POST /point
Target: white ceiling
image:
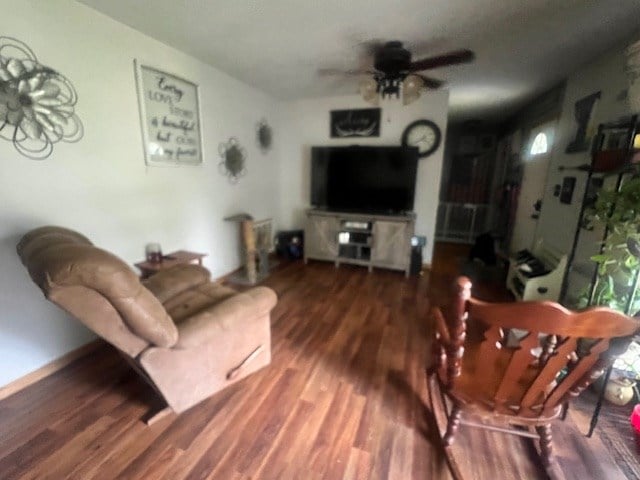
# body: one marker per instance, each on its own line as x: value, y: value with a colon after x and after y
x: 522, y: 46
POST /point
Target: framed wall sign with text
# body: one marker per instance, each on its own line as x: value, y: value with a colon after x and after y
x: 170, y: 117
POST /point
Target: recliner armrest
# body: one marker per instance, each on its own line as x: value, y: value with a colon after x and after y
x: 170, y: 282
x: 225, y: 316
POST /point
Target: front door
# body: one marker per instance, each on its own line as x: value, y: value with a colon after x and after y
x: 534, y: 177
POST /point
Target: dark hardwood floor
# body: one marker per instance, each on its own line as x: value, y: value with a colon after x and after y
x: 344, y: 398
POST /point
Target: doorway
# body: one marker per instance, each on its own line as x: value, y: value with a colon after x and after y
x: 535, y: 162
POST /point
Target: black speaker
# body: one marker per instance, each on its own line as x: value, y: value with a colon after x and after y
x: 290, y: 244
x: 417, y: 243
x: 416, y: 260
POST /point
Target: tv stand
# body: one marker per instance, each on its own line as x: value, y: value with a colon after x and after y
x: 369, y: 240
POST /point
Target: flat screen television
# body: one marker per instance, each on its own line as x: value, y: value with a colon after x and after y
x: 375, y: 179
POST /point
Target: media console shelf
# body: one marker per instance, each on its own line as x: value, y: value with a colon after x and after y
x: 382, y: 241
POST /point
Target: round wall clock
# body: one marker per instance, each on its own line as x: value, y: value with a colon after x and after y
x: 423, y: 134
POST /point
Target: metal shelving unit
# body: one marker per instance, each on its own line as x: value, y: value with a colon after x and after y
x: 611, y: 165
x: 611, y: 154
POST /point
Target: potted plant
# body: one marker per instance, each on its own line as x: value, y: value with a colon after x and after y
x: 618, y: 277
x: 618, y: 210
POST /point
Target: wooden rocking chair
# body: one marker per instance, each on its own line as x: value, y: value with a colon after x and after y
x: 506, y: 365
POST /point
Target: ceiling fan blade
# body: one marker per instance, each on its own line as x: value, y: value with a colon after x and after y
x: 429, y: 82
x: 452, y: 58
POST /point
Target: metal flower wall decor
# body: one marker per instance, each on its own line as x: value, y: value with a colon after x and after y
x: 36, y: 102
x: 264, y: 135
x: 232, y: 163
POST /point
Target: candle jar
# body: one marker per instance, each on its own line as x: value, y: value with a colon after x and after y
x: 153, y: 252
x: 619, y: 391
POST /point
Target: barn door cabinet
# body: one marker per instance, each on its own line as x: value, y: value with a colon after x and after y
x: 382, y: 241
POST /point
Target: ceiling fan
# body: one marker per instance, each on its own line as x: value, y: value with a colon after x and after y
x: 394, y: 70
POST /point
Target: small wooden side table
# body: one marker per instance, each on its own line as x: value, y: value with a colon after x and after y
x: 175, y: 258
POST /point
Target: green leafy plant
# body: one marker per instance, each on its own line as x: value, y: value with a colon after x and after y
x: 618, y: 261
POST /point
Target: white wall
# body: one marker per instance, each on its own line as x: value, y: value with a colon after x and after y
x: 101, y: 186
x: 558, y: 221
x: 306, y: 124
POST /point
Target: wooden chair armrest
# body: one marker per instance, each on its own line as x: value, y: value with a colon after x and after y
x: 441, y: 326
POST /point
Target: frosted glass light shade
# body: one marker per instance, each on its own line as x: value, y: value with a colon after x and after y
x: 411, y: 87
x: 369, y: 91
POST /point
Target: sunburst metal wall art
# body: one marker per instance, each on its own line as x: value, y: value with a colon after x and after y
x: 232, y: 160
x: 264, y: 136
x: 36, y: 102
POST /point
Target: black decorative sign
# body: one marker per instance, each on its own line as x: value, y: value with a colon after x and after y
x: 566, y: 192
x: 364, y: 122
x: 583, y: 112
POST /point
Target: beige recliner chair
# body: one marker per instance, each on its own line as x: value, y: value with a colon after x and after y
x: 188, y: 337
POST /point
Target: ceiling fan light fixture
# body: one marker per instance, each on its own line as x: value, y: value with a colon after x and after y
x: 389, y: 85
x: 394, y: 72
x: 369, y: 91
x: 411, y: 87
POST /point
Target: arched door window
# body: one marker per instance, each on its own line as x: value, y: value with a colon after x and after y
x: 540, y: 144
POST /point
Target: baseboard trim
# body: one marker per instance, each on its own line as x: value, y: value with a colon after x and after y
x: 48, y: 369
x: 224, y: 278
